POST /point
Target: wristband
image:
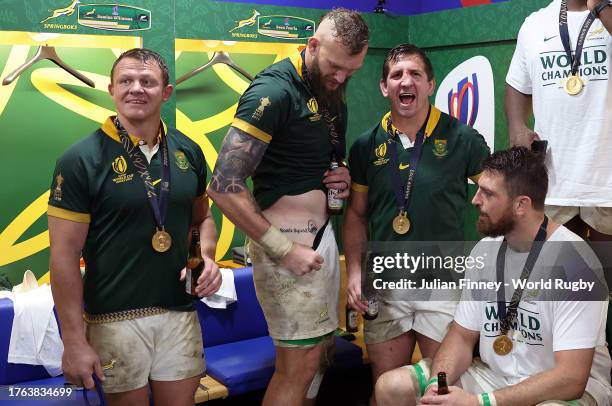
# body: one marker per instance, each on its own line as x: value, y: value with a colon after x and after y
x: 276, y: 245
x: 487, y: 399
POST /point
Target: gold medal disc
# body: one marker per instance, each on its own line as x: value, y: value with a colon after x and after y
x: 401, y: 224
x: 161, y: 241
x: 502, y: 345
x: 573, y: 85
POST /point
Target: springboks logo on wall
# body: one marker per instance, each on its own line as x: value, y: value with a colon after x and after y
x: 467, y: 93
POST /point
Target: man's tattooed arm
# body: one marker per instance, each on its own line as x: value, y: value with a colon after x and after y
x: 240, y: 154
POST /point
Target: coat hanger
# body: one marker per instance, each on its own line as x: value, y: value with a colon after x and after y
x: 47, y: 52
x: 218, y: 57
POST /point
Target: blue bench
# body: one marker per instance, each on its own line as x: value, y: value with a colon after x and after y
x: 239, y: 352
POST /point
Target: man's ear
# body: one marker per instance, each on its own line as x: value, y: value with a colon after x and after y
x: 522, y: 205
x: 167, y: 92
x: 383, y: 88
x: 313, y: 45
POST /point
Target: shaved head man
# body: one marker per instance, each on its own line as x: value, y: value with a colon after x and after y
x: 288, y: 129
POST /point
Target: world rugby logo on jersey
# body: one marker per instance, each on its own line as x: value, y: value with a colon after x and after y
x: 467, y: 93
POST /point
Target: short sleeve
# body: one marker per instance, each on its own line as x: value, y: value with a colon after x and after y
x: 578, y: 324
x: 358, y: 161
x: 200, y: 168
x: 262, y: 109
x: 69, y: 198
x: 478, y: 151
x: 518, y: 74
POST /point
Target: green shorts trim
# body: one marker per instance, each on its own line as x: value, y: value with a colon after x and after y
x: 305, y: 342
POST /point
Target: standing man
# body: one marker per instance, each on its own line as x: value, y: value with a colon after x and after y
x: 412, y: 167
x: 532, y: 349
x: 126, y: 197
x: 561, y: 71
x: 289, y: 126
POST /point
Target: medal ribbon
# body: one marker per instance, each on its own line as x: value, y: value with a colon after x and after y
x: 565, y: 39
x: 159, y: 205
x: 506, y: 316
x: 402, y: 193
x: 337, y: 138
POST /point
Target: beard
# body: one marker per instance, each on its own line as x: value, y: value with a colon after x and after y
x: 502, y: 227
x: 325, y: 97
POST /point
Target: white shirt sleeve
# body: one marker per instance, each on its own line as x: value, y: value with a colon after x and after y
x: 519, y: 72
x: 575, y: 323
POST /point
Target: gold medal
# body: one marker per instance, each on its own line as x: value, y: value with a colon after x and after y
x: 573, y: 85
x: 401, y: 224
x: 161, y: 241
x: 502, y: 345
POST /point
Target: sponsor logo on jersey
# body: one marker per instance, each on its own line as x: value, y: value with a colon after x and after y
x: 57, y: 191
x: 181, y: 161
x: 381, y: 152
x: 120, y: 167
x: 259, y: 111
x: 439, y: 148
x: 313, y: 107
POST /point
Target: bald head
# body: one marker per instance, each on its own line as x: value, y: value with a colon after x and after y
x: 344, y: 26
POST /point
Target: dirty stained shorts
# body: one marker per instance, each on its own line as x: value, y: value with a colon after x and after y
x: 162, y: 347
x: 298, y: 307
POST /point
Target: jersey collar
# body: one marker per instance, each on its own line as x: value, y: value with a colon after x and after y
x: 108, y: 127
x: 434, y: 118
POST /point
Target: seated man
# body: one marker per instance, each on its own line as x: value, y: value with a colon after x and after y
x: 533, y: 350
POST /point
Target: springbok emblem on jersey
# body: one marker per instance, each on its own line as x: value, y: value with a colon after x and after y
x: 247, y: 22
x: 65, y: 11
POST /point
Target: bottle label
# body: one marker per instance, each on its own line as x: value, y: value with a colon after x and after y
x: 372, y: 307
x: 332, y: 201
x: 188, y: 281
x: 352, y: 319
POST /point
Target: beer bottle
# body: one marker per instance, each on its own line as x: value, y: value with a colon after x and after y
x: 195, y: 264
x: 352, y: 320
x: 334, y: 205
x: 372, y: 311
x: 442, y: 384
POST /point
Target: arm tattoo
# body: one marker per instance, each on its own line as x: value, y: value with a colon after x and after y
x: 239, y: 156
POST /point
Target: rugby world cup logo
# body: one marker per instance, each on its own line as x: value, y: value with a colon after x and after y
x: 467, y: 93
x: 463, y: 101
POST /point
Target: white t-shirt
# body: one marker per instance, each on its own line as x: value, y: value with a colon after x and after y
x: 578, y: 128
x: 542, y: 327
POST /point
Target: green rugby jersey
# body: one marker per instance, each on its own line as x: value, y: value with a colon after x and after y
x: 452, y: 152
x: 95, y: 182
x: 278, y: 109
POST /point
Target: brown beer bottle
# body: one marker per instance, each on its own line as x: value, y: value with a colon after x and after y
x: 442, y: 384
x: 195, y: 264
x: 352, y: 320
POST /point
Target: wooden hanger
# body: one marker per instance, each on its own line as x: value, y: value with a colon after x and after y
x: 218, y: 57
x: 46, y: 52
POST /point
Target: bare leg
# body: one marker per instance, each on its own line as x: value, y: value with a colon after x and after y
x: 175, y: 393
x: 136, y: 397
x: 294, y: 370
x: 389, y: 355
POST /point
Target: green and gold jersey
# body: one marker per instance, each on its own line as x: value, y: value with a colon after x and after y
x: 452, y: 152
x: 278, y: 109
x: 95, y: 182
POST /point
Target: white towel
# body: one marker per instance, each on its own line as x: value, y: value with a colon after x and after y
x: 35, y: 338
x: 226, y: 294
